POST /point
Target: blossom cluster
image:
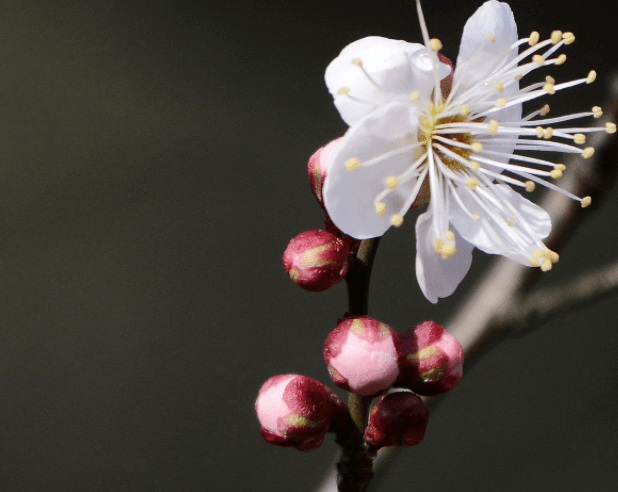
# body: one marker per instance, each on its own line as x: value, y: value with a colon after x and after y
x: 368, y: 358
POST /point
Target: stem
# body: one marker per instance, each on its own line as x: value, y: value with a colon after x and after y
x: 354, y: 466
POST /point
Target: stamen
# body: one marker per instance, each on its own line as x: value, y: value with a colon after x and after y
x: 435, y: 44
x: 579, y: 138
x: 343, y: 91
x: 610, y: 127
x: 592, y: 76
x: 560, y: 60
x: 534, y: 38
x: 586, y: 201
x: 392, y: 182
x: 396, y: 220
x: 414, y: 96
x: 568, y: 37
x: 597, y: 112
x: 352, y: 163
x: 588, y: 152
x: 556, y: 37
x: 530, y: 186
x: 380, y: 208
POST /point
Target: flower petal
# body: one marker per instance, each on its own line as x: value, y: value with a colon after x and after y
x: 478, y: 55
x: 436, y: 276
x: 349, y: 195
x: 391, y: 70
x: 493, y: 237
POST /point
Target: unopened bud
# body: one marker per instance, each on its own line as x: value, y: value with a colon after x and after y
x: 398, y: 419
x: 316, y: 167
x: 294, y: 411
x: 362, y: 356
x: 316, y: 260
x: 430, y: 359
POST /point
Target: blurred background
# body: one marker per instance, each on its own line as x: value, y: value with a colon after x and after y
x: 153, y: 169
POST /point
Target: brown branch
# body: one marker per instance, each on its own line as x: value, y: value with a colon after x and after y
x: 486, y: 317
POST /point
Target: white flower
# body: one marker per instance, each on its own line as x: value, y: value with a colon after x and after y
x: 406, y: 132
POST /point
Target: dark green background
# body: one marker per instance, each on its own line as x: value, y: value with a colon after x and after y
x: 152, y: 171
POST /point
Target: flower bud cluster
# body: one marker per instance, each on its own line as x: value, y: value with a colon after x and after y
x: 368, y: 358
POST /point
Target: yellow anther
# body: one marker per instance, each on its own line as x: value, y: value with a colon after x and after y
x: 597, y: 112
x: 561, y: 59
x: 476, y: 217
x: 550, y: 80
x: 538, y: 59
x: 476, y: 146
x: 396, y: 220
x: 472, y: 183
x: 510, y: 222
x: 546, y: 265
x: 548, y: 133
x: 500, y: 103
x: 352, y: 163
x: 560, y: 167
x: 475, y: 166
x: 537, y: 254
x: 343, y: 90
x: 534, y: 262
x: 465, y: 110
x: 555, y: 173
x: 493, y: 127
x: 549, y: 88
x: 588, y: 152
x: 357, y: 62
x: 534, y: 38
x: 579, y: 138
x: 491, y: 37
x: 392, y: 182
x: 414, y: 96
x: 539, y: 131
x: 530, y: 186
x: 592, y: 76
x: 435, y: 44
x: 568, y: 37
x: 552, y: 255
x: 545, y: 110
x: 450, y: 235
x: 556, y: 37
x: 610, y: 127
x: 447, y: 251
x: 499, y: 87
x: 438, y: 244
x: 586, y: 201
x: 380, y: 208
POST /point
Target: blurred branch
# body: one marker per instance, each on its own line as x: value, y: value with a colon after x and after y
x: 503, y: 303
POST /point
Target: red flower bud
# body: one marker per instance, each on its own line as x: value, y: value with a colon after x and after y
x: 361, y: 356
x: 398, y: 419
x: 294, y: 411
x: 430, y: 359
x: 316, y: 260
x: 317, y: 167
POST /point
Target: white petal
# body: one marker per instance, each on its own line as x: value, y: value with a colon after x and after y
x: 478, y: 55
x: 394, y: 69
x: 491, y: 236
x: 349, y: 195
x: 436, y: 276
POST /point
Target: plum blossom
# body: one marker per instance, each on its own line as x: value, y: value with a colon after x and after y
x: 415, y: 124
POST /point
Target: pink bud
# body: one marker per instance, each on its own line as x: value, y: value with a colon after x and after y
x: 430, y: 359
x: 361, y: 356
x: 316, y: 260
x: 398, y: 419
x: 317, y: 167
x: 294, y: 411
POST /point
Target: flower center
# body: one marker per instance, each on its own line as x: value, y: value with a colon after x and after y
x: 427, y: 127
